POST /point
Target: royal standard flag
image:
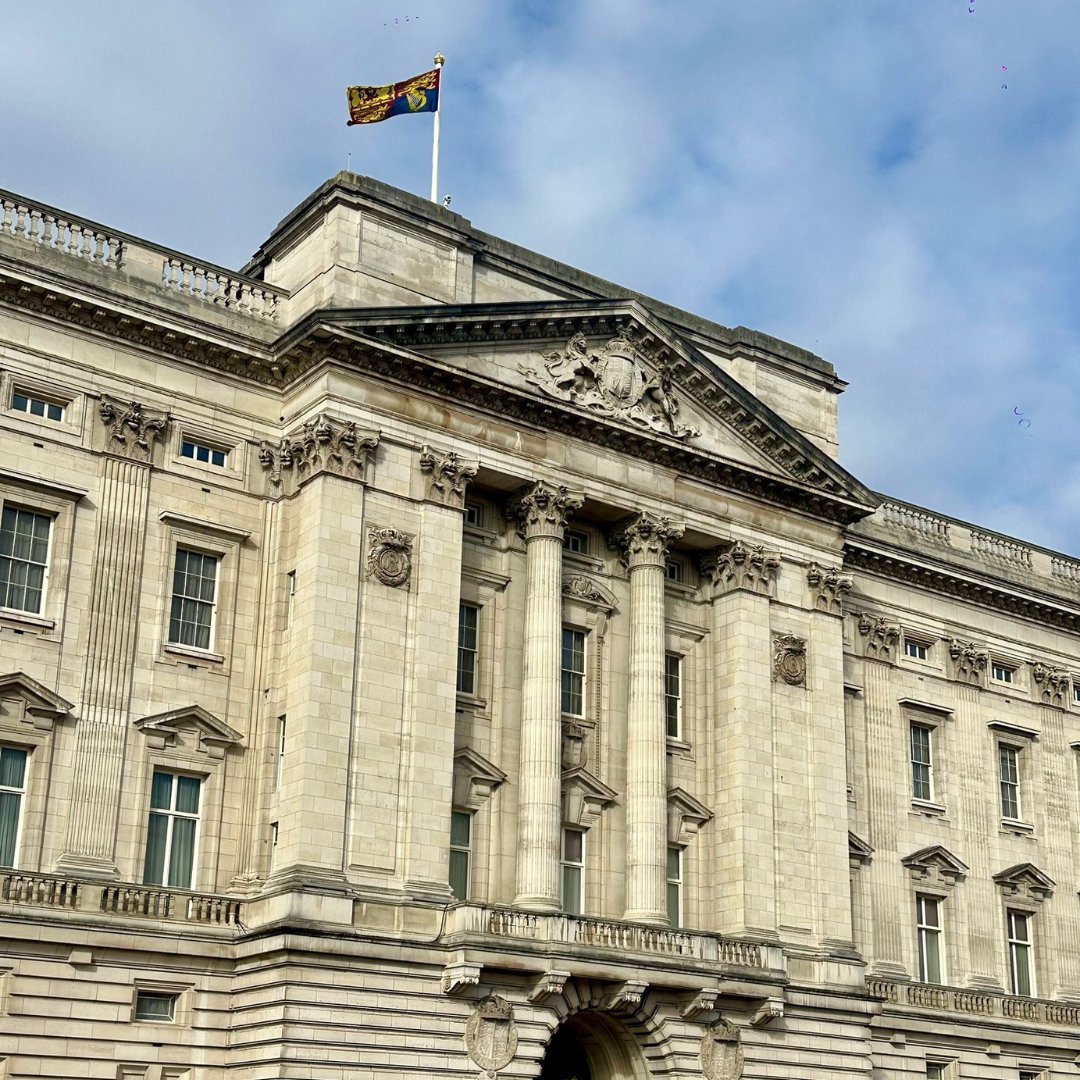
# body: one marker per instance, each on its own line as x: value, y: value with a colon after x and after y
x: 370, y: 104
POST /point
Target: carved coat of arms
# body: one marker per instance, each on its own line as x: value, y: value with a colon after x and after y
x: 491, y: 1035
x: 613, y: 380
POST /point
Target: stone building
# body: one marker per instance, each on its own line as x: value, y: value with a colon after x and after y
x: 419, y: 658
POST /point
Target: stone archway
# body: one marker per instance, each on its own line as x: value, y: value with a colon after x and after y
x: 591, y: 1046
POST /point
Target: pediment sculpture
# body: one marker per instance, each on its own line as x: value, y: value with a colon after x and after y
x: 613, y: 380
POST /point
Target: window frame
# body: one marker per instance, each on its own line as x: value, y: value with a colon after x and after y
x: 577, y: 542
x: 1013, y: 947
x: 568, y: 865
x: 566, y: 688
x: 32, y: 397
x: 212, y: 604
x: 1016, y: 751
x: 920, y: 646
x: 673, y: 713
x: 17, y: 507
x: 676, y: 882
x: 929, y: 765
x: 146, y: 993
x: 22, y: 793
x: 1008, y: 673
x: 465, y: 650
x: 197, y: 443
x: 172, y: 814
x: 464, y: 849
x: 926, y: 930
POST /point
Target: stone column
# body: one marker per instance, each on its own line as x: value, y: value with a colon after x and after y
x: 644, y: 543
x: 112, y: 635
x: 542, y: 512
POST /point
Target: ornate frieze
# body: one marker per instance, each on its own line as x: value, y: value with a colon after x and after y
x: 827, y: 588
x: 389, y: 556
x: 491, y: 1037
x: 722, y: 1052
x: 1054, y: 684
x: 742, y: 566
x: 614, y: 380
x: 132, y: 429
x: 644, y: 541
x: 789, y: 659
x: 968, y: 661
x: 448, y: 476
x: 324, y: 444
x: 544, y: 509
x: 879, y: 636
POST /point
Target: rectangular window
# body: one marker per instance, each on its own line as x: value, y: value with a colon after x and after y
x: 922, y: 778
x: 12, y: 789
x: 1076, y: 689
x: 674, y: 886
x: 279, y: 762
x: 1029, y: 1074
x: 1021, y: 945
x: 928, y: 928
x: 290, y: 596
x: 155, y: 1006
x: 915, y: 648
x: 935, y: 1071
x: 1009, y: 780
x: 573, y: 871
x: 1002, y: 673
x: 468, y: 622
x: 674, y: 570
x: 198, y: 451
x: 26, y: 402
x: 573, y: 672
x: 576, y: 541
x: 474, y: 514
x: 172, y: 831
x: 673, y: 695
x: 24, y: 559
x: 460, y: 853
x: 191, y: 620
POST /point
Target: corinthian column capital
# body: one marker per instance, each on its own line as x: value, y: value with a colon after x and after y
x: 544, y: 509
x: 742, y: 566
x: 644, y: 541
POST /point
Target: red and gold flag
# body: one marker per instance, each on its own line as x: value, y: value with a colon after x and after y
x: 370, y: 104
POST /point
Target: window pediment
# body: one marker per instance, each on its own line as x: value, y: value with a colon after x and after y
x: 166, y: 729
x: 860, y: 853
x: 1026, y: 881
x: 935, y: 865
x: 584, y: 797
x: 475, y: 778
x: 685, y: 816
x: 40, y: 707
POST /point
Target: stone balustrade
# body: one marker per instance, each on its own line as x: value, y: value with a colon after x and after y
x: 124, y: 901
x: 1066, y: 570
x: 986, y: 545
x: 106, y: 249
x: 611, y: 936
x: 978, y: 1003
x: 919, y: 521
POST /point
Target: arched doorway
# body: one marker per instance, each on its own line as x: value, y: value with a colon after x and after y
x: 590, y: 1046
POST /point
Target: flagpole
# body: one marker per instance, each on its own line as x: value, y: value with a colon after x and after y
x: 439, y: 61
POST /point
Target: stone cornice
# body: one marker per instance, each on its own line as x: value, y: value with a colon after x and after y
x: 962, y: 584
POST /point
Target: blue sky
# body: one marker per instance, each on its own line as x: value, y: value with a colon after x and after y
x: 849, y: 175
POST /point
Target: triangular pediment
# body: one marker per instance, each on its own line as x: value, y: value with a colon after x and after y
x: 859, y: 851
x: 475, y: 778
x: 937, y: 862
x: 37, y: 704
x: 1026, y: 880
x: 584, y: 797
x: 610, y: 372
x: 686, y: 815
x: 214, y: 735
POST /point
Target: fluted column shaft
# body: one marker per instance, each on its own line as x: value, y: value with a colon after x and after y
x: 645, y: 544
x: 542, y: 513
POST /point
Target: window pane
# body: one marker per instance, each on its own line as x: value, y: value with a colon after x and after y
x: 12, y: 767
x: 1022, y: 970
x: 182, y: 855
x: 151, y: 1006
x: 674, y: 864
x: 161, y: 790
x: 931, y: 956
x: 187, y: 794
x: 156, y: 838
x: 459, y: 874
x: 20, y: 402
x: 572, y: 845
x: 460, y: 828
x: 10, y: 805
x: 572, y: 890
x: 674, y: 903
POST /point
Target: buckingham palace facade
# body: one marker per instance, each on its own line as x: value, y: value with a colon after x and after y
x: 421, y: 659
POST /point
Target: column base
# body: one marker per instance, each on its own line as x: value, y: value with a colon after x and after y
x: 301, y: 875
x: 650, y: 918
x: 541, y: 905
x: 75, y: 864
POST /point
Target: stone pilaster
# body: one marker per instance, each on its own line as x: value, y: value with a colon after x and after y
x: 542, y: 513
x: 743, y: 578
x: 644, y: 543
x: 113, y: 629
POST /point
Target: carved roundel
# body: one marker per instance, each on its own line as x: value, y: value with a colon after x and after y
x: 721, y: 1052
x: 491, y: 1037
x: 789, y: 659
x: 390, y: 556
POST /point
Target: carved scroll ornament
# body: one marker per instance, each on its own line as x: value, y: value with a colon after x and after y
x: 448, y: 476
x: 789, y: 659
x: 613, y: 381
x: 133, y: 429
x: 389, y: 556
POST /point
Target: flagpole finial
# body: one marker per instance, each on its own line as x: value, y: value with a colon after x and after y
x: 439, y: 59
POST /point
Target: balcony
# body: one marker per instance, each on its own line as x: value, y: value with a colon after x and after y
x: 144, y: 902
x: 472, y: 924
x: 974, y: 1003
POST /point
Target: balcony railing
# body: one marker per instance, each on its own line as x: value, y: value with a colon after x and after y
x: 45, y: 227
x: 137, y: 901
x: 978, y: 1003
x: 918, y: 521
x: 610, y: 936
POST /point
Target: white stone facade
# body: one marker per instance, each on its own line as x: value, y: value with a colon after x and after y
x: 736, y: 769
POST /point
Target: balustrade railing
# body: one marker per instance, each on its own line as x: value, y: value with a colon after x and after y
x: 944, y: 998
x: 997, y: 547
x: 124, y: 901
x: 92, y: 244
x: 1065, y: 569
x: 918, y: 521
